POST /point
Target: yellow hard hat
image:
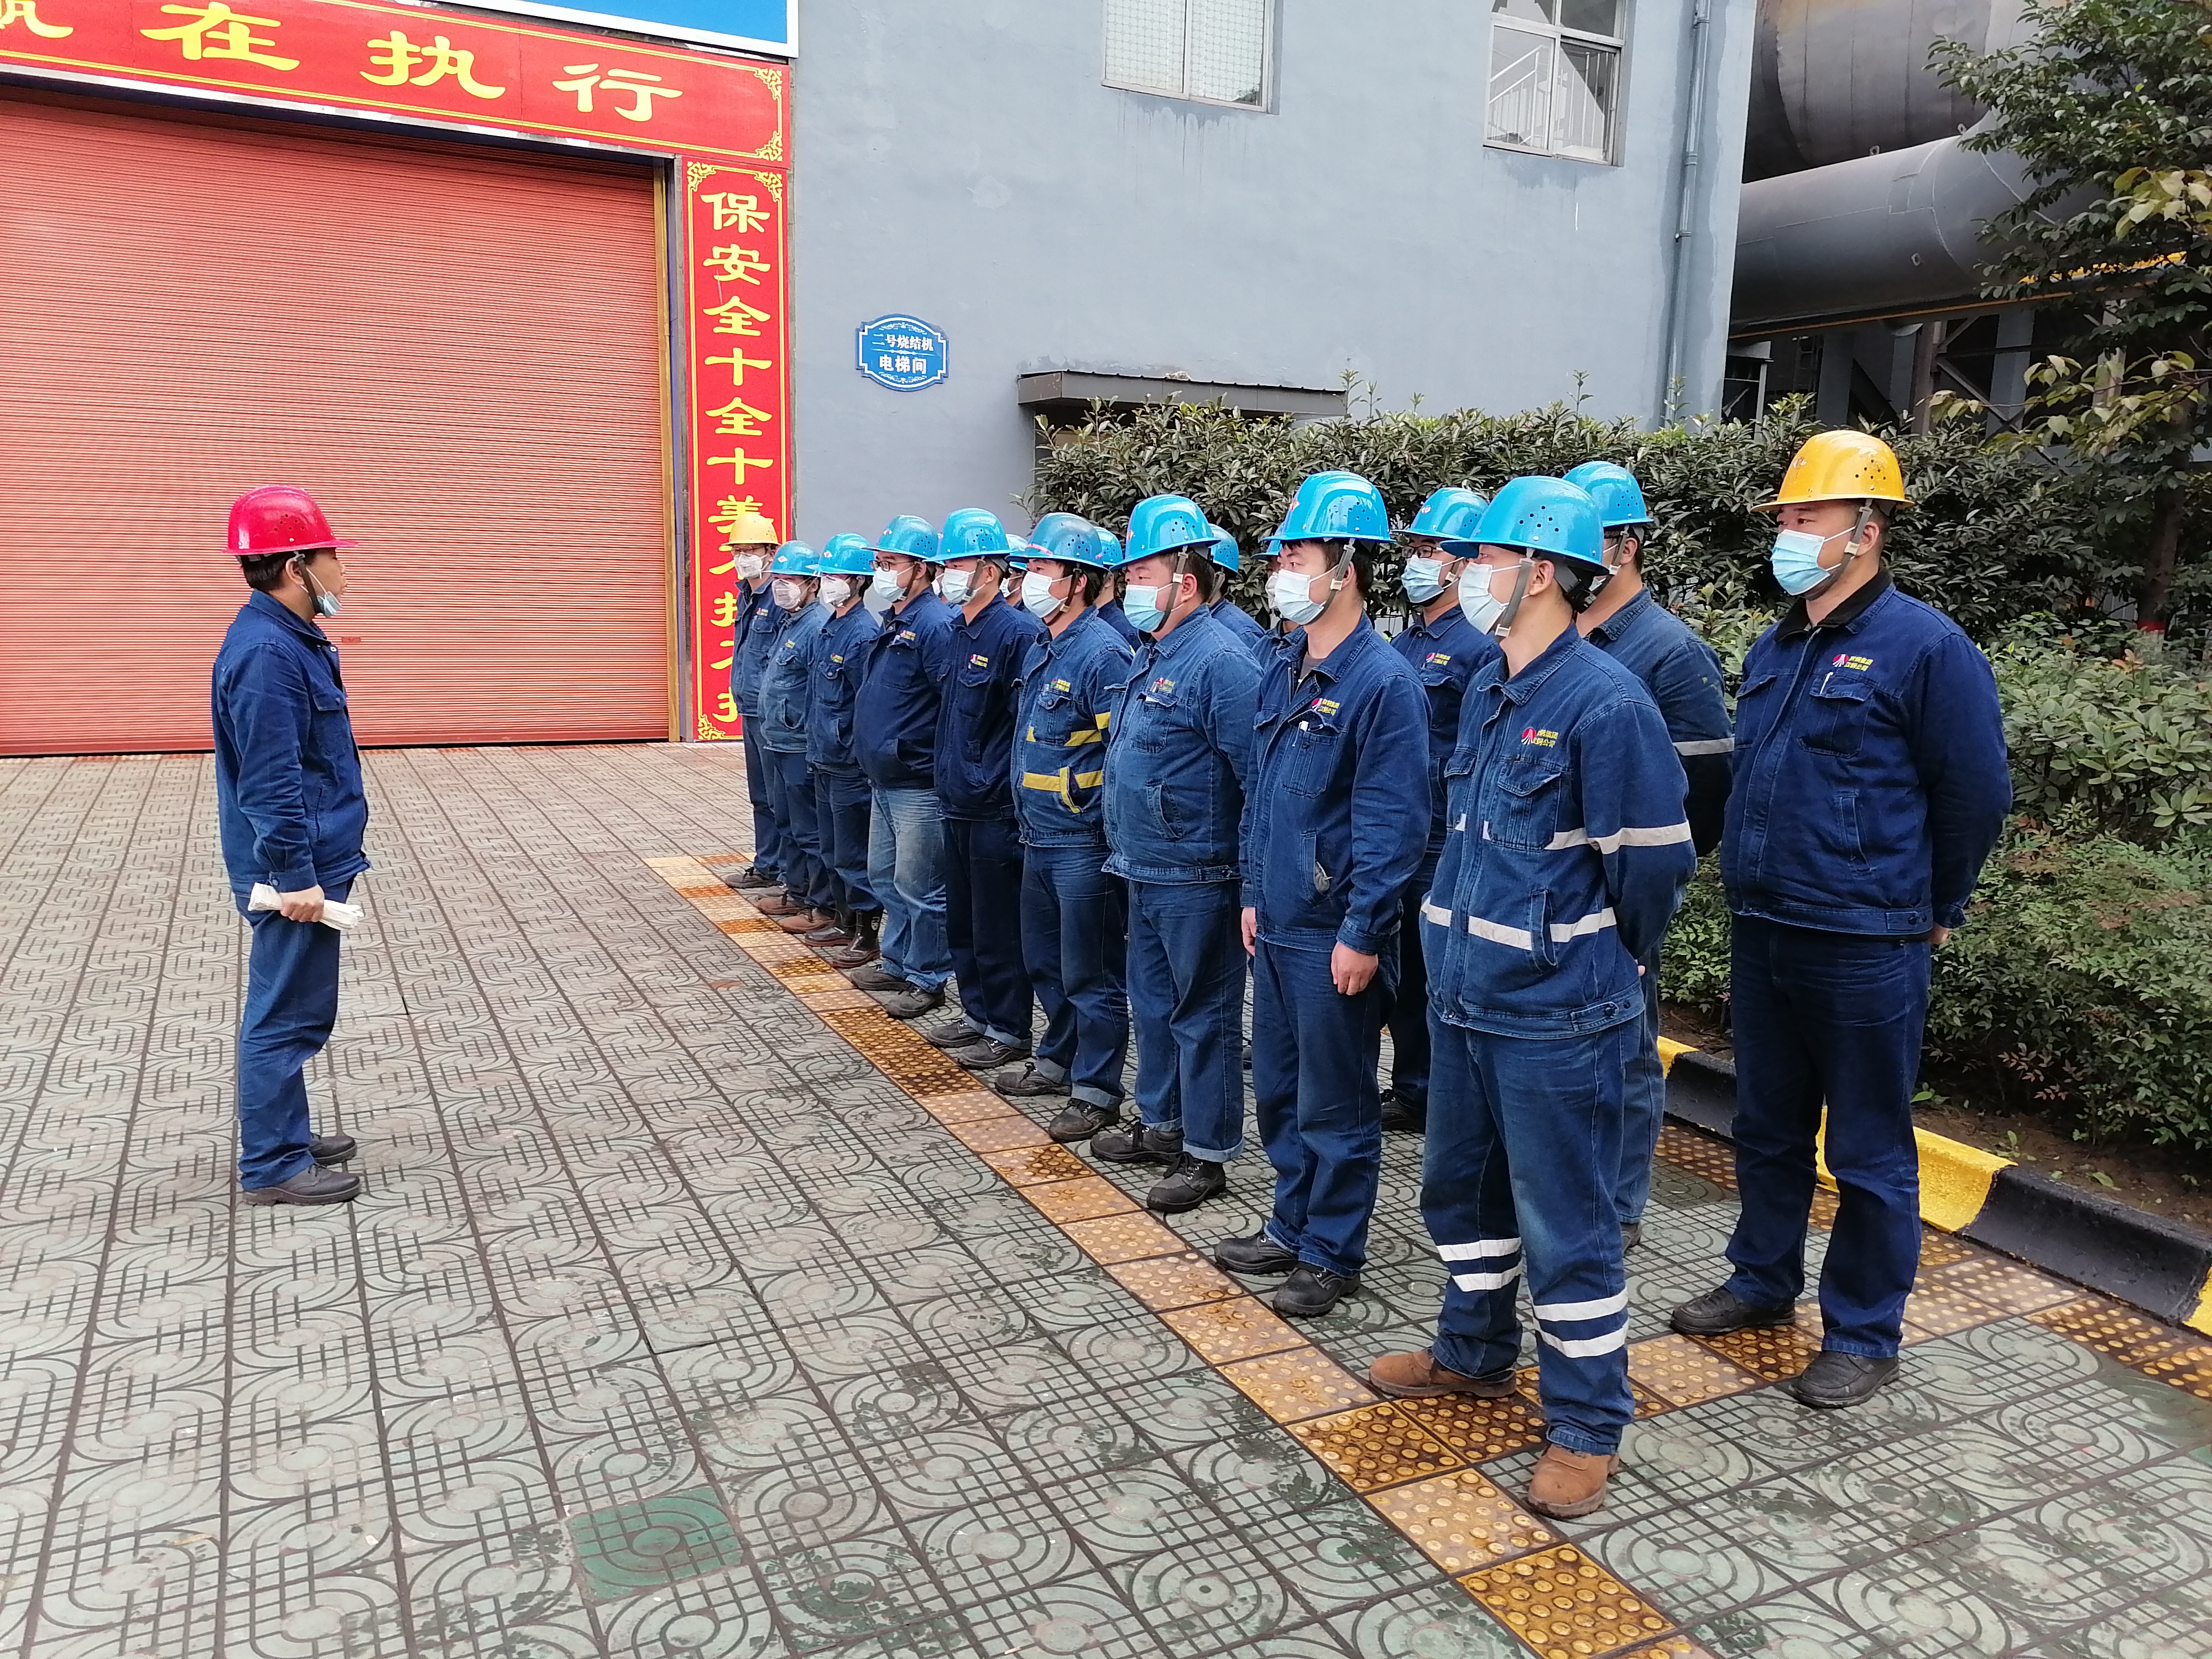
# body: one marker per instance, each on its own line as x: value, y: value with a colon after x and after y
x: 752, y: 528
x: 1847, y: 465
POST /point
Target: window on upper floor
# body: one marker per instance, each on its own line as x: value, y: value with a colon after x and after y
x: 1555, y: 77
x: 1214, y: 50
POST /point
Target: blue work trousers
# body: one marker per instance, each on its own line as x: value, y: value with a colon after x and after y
x: 1832, y: 1018
x: 1314, y: 1053
x: 1186, y: 978
x: 983, y: 926
x: 1075, y: 938
x: 1518, y: 1169
x: 841, y: 815
x: 1643, y: 1107
x: 905, y: 870
x: 767, y: 835
x: 790, y: 793
x: 291, y: 1003
x: 1409, y: 1015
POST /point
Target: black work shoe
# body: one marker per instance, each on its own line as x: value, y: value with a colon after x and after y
x: 315, y: 1185
x: 1030, y: 1081
x: 1401, y: 1117
x: 954, y: 1033
x: 1256, y: 1257
x: 1080, y: 1120
x: 1312, y: 1291
x: 1631, y: 1234
x: 1189, y: 1184
x: 987, y: 1055
x: 868, y: 942
x: 1138, y: 1143
x: 750, y: 880
x: 329, y: 1149
x: 911, y: 1002
x: 874, y: 976
x: 830, y: 936
x: 1718, y: 1312
x: 1836, y: 1380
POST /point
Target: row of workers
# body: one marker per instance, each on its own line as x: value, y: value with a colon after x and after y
x: 1476, y: 834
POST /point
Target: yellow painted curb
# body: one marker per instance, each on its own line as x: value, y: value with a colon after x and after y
x: 1668, y: 1049
x: 2202, y: 1319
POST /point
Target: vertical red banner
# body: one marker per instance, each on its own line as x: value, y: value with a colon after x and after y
x: 737, y: 449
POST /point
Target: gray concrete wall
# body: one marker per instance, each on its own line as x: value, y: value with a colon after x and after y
x: 964, y: 163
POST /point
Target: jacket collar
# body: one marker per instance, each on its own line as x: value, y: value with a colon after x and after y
x: 1845, y: 615
x: 1429, y: 630
x: 919, y: 609
x: 270, y: 606
x: 1179, y: 638
x: 1625, y: 618
x: 1519, y: 688
x: 1340, y: 661
x: 1077, y: 631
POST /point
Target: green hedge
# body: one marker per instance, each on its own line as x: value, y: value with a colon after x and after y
x: 1997, y: 535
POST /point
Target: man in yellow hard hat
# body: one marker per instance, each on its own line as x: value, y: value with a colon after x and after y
x: 752, y: 542
x: 1870, y: 784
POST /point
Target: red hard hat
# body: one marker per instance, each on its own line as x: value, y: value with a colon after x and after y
x: 278, y: 518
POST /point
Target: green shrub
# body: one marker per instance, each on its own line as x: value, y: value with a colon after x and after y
x: 2081, y: 985
x: 1994, y: 535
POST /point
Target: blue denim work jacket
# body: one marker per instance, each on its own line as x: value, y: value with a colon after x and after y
x: 288, y: 793
x: 787, y: 687
x: 1566, y: 851
x: 976, y: 731
x: 839, y: 659
x: 1180, y: 755
x: 1070, y: 687
x: 760, y: 623
x: 1246, y: 632
x: 1114, y: 618
x: 1444, y: 656
x: 901, y: 694
x: 1683, y: 675
x: 1336, y: 819
x: 1871, y: 780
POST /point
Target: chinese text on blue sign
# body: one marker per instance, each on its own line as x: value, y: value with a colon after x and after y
x: 903, y: 353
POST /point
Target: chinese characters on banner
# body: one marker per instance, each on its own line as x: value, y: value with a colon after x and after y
x: 739, y: 448
x: 418, y: 61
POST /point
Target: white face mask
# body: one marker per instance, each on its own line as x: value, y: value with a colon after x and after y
x: 1038, y: 597
x: 1796, y: 560
x: 1145, y: 607
x: 749, y: 566
x: 790, y: 592
x: 885, y: 586
x: 954, y: 586
x: 1422, y: 579
x: 836, y: 590
x: 1486, y: 613
x: 1291, y: 596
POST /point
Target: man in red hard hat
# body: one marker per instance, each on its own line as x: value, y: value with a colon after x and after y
x: 288, y: 798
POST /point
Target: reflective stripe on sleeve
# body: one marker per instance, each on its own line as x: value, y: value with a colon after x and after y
x: 1596, y: 921
x: 1706, y: 746
x: 1498, y: 933
x: 1435, y: 912
x: 1664, y: 836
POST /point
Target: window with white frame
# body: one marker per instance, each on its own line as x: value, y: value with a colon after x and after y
x: 1215, y: 51
x: 1555, y: 77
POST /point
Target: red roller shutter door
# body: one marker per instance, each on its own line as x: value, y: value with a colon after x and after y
x: 459, y: 350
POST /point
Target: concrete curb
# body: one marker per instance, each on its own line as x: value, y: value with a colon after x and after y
x: 2160, y: 1267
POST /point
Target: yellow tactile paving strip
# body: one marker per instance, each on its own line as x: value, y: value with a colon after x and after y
x: 1412, y: 1460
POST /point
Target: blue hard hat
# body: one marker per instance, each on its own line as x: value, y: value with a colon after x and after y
x: 973, y: 532
x: 1161, y: 523
x: 795, y: 559
x: 1225, y: 551
x: 1019, y: 551
x: 1449, y: 514
x: 1335, y: 507
x: 1110, y: 548
x: 1619, y: 498
x: 915, y: 538
x: 1545, y: 515
x: 1073, y: 539
x: 847, y: 554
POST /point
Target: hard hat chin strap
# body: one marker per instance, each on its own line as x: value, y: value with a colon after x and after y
x: 1520, y: 593
x: 1852, y: 548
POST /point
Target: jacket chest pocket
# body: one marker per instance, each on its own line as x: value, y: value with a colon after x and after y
x: 1053, y: 719
x: 1522, y: 806
x: 1311, y: 747
x: 1158, y: 718
x: 1834, y: 717
x: 1458, y: 767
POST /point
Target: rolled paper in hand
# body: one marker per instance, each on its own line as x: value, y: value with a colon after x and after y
x: 344, y: 917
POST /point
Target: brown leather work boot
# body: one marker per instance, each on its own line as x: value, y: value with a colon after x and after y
x: 801, y: 921
x: 778, y: 904
x: 1567, y: 1484
x: 1418, y: 1377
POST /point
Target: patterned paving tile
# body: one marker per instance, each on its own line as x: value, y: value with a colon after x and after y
x: 1562, y: 1604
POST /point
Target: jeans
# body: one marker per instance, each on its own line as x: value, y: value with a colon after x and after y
x: 1832, y: 1018
x: 1314, y: 1052
x: 906, y: 872
x: 841, y: 814
x: 767, y: 835
x: 1408, y: 1014
x: 291, y: 1003
x: 1643, y: 1108
x: 1075, y: 937
x: 1523, y: 1146
x: 1186, y: 979
x: 983, y: 926
x: 790, y: 793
